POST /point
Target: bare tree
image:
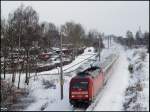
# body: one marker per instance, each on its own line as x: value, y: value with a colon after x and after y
x: 146, y: 40
x: 25, y: 26
x: 130, y: 38
x: 92, y: 39
x: 3, y: 44
x: 11, y: 43
x: 49, y: 34
x: 73, y: 34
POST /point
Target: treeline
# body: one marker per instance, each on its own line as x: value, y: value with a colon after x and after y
x: 139, y: 40
x: 22, y: 29
x: 22, y: 32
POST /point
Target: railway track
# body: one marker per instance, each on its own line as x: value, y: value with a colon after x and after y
x: 79, y: 109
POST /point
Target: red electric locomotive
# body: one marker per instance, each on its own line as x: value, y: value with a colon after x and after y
x: 85, y: 86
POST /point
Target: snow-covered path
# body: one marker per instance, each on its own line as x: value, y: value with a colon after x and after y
x: 113, y: 95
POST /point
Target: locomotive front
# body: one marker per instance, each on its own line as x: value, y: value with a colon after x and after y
x: 80, y: 90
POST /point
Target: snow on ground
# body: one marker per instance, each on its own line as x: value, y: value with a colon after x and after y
x: 49, y: 98
x: 112, y: 98
x: 138, y: 98
x: 146, y: 87
x: 64, y: 104
x: 44, y: 97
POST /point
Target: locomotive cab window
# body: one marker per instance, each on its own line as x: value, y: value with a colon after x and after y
x: 80, y: 85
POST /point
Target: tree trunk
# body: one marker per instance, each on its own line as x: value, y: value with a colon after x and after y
x: 26, y: 80
x: 26, y: 73
x: 12, y: 68
x: 73, y: 54
x: 4, y: 67
x: 28, y: 70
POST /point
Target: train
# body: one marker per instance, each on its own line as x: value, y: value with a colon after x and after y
x: 85, y: 85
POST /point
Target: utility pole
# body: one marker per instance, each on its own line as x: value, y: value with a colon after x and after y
x: 99, y: 48
x: 28, y: 65
x: 18, y: 60
x: 61, y: 70
x: 108, y: 42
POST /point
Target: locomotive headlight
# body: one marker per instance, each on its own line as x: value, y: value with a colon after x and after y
x: 86, y: 95
x: 72, y: 96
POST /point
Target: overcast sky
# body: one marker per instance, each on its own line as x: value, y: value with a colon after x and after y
x: 110, y: 17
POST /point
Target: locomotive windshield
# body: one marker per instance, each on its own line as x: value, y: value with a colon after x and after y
x: 80, y: 85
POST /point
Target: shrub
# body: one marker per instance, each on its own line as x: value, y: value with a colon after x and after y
x: 139, y: 87
x: 142, y: 56
x: 130, y: 68
x: 48, y: 84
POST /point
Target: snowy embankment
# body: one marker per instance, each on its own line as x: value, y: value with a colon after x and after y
x: 125, y: 91
x: 137, y: 93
